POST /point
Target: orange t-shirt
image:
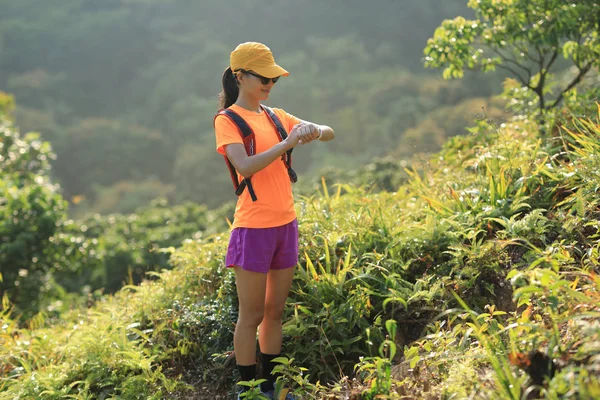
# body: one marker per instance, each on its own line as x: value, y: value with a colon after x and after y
x: 275, y: 203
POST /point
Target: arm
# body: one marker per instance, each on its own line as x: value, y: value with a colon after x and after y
x: 249, y: 165
x: 328, y: 133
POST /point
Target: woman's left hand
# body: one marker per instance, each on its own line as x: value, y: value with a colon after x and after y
x: 308, y: 132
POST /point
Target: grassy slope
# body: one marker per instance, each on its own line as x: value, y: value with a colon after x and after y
x: 499, y: 220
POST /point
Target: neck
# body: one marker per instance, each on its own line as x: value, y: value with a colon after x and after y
x: 251, y: 104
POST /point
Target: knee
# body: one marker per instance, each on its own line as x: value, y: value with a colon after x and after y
x: 251, y: 318
x: 273, y: 313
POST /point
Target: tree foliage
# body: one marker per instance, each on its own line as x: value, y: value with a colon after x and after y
x: 526, y: 39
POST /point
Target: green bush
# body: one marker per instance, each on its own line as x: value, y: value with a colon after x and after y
x: 31, y: 209
x: 44, y: 256
x: 127, y: 246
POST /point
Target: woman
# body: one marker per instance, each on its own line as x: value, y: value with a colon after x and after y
x: 263, y: 249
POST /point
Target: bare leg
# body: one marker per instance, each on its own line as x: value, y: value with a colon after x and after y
x: 277, y: 290
x: 251, y: 288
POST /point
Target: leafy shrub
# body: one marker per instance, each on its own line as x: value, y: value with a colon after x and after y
x: 31, y: 209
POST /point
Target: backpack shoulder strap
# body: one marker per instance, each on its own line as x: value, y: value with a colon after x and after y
x: 244, y: 129
x: 277, y: 122
x: 287, y: 156
x: 249, y: 139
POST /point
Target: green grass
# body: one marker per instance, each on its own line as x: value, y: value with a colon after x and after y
x: 444, y: 288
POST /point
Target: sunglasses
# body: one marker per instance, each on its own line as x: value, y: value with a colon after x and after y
x: 263, y: 80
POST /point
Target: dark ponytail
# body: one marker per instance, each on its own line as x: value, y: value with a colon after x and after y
x: 230, y: 91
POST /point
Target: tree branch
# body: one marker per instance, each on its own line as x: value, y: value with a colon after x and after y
x: 582, y: 72
x: 515, y: 73
x: 511, y: 70
x: 552, y: 59
x: 524, y: 50
x: 542, y: 59
x: 544, y: 70
x: 510, y: 60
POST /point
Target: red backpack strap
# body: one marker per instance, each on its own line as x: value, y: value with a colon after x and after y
x: 287, y: 156
x: 245, y: 130
x: 249, y: 139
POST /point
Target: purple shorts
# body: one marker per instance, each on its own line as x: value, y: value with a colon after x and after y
x: 263, y: 249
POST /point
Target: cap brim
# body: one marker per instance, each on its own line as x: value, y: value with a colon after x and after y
x: 272, y: 71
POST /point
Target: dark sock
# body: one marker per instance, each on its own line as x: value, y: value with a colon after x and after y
x: 267, y: 368
x: 247, y: 373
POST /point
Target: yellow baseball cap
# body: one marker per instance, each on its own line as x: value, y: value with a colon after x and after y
x: 256, y: 57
